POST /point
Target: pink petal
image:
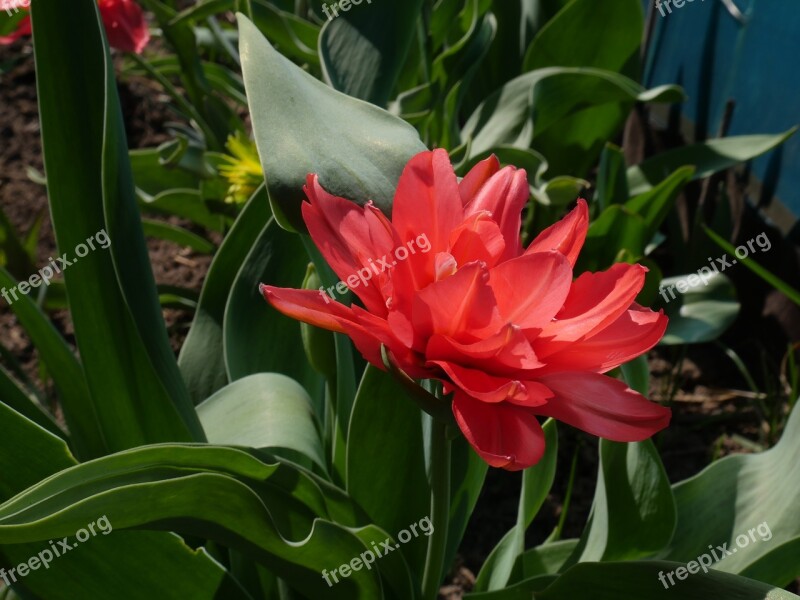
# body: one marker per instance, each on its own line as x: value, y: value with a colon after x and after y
x: 631, y: 335
x: 602, y: 406
x: 316, y: 309
x: 565, y: 236
x: 504, y: 196
x: 477, y: 238
x: 476, y: 178
x: 503, y: 435
x: 594, y: 302
x: 125, y: 25
x: 353, y: 240
x: 508, y: 351
x: 531, y: 289
x: 461, y: 306
x: 492, y: 389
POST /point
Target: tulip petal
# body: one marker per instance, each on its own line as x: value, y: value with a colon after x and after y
x: 504, y: 196
x: 352, y: 239
x: 594, y: 302
x: 508, y: 351
x: 531, y: 289
x: 476, y: 178
x: 492, y: 389
x: 317, y: 309
x: 477, y: 238
x: 427, y: 202
x: 503, y: 435
x: 565, y: 236
x: 125, y: 25
x: 602, y: 406
x: 632, y: 334
x: 461, y: 306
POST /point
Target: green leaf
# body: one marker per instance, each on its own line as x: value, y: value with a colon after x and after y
x: 699, y: 313
x: 295, y: 37
x: 204, y: 491
x: 199, y: 360
x: 573, y: 39
x: 13, y: 396
x: 612, y: 186
x: 178, y: 235
x: 357, y: 149
x: 536, y: 483
x: 636, y: 581
x: 633, y: 514
x: 264, y: 411
x: 363, y: 50
x: 708, y: 158
x: 739, y: 493
x: 125, y: 565
x: 616, y: 232
x: 255, y: 334
x: 378, y: 465
x: 527, y: 106
x: 135, y: 384
x: 654, y: 205
x: 546, y: 559
x: 776, y: 282
x: 66, y: 371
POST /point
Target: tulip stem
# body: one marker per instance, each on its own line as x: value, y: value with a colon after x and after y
x: 440, y: 510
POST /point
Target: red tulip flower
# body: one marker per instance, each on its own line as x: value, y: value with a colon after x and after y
x: 123, y: 20
x: 505, y: 328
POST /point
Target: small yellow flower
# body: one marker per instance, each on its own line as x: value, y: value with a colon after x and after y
x: 243, y: 171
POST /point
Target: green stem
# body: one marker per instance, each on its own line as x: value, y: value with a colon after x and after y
x: 440, y: 510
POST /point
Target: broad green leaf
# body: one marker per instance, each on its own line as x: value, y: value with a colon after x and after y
x: 363, y: 49
x: 546, y: 559
x: 633, y: 513
x: 654, y: 205
x: 378, y: 465
x: 136, y: 387
x: 530, y: 104
x: 357, y: 149
x: 536, y: 483
x: 125, y: 565
x: 708, y: 158
x: 295, y: 37
x: 67, y: 373
x: 467, y: 474
x: 13, y: 396
x: 700, y: 308
x: 257, y: 338
x: 636, y: 581
x: 730, y: 498
x: 573, y: 39
x: 186, y: 488
x: 28, y: 453
x: 617, y: 231
x: 264, y: 411
x: 199, y: 360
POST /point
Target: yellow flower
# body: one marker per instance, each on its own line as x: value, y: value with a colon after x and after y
x: 243, y: 169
